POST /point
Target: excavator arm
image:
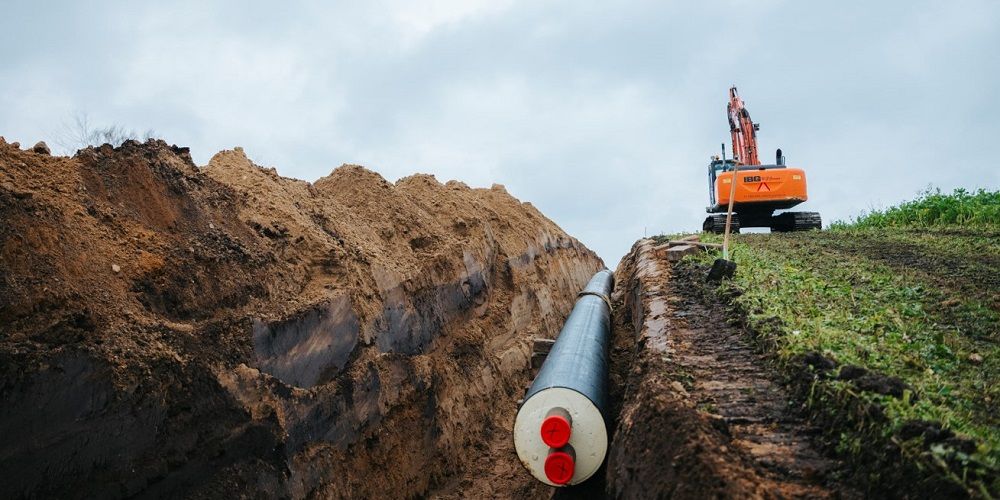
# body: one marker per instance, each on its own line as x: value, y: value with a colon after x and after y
x: 743, y: 129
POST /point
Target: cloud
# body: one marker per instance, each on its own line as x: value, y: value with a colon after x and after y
x: 603, y: 115
x: 416, y: 20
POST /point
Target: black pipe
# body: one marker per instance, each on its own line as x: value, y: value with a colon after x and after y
x: 579, y: 358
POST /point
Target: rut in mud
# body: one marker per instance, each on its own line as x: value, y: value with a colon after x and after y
x: 704, y: 414
x: 727, y: 376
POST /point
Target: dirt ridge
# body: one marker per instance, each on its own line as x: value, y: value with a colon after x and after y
x: 172, y: 329
x: 703, y: 415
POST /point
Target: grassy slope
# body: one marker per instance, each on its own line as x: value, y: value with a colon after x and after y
x: 905, y: 293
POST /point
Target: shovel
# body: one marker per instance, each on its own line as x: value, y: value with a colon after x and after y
x: 724, y: 268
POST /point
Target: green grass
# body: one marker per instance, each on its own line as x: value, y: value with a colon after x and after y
x: 908, y: 293
x: 934, y: 208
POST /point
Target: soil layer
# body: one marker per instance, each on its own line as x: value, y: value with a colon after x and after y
x: 221, y: 331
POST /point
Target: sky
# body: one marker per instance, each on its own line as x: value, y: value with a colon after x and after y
x: 601, y: 114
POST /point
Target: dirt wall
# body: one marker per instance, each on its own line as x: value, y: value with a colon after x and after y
x: 664, y: 446
x: 170, y: 329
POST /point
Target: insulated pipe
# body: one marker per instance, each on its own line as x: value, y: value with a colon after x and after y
x: 560, y: 431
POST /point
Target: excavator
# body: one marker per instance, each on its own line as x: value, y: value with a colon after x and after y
x: 761, y: 190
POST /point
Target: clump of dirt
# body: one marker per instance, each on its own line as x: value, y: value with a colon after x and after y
x: 815, y: 364
x: 704, y: 413
x: 178, y: 330
x: 867, y: 380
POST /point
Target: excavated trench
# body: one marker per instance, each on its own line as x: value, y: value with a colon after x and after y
x: 222, y: 331
x: 696, y: 409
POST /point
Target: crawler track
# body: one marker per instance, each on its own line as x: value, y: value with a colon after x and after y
x: 796, y: 221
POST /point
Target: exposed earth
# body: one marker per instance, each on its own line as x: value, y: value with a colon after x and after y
x: 168, y: 329
x: 704, y: 414
x: 215, y: 331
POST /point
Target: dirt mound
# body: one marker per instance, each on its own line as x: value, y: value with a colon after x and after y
x: 170, y: 329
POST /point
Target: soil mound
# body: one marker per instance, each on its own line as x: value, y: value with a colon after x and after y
x: 174, y: 330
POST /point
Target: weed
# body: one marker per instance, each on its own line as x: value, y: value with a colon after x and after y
x: 934, y: 208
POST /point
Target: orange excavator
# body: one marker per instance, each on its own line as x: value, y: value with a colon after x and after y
x: 761, y: 190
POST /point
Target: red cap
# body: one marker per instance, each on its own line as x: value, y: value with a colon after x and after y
x: 555, y: 431
x: 559, y: 467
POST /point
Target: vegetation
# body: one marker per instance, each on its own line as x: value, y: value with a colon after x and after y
x: 933, y: 208
x: 909, y: 294
x: 81, y: 134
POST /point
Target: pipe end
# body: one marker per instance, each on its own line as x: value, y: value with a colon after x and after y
x: 559, y: 467
x: 556, y: 430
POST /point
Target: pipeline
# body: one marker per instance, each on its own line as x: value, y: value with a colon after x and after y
x: 560, y: 431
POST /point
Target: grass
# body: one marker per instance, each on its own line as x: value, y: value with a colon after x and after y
x: 934, y: 208
x: 910, y: 292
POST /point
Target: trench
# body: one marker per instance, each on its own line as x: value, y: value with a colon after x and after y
x: 696, y: 409
x: 222, y: 331
x: 261, y: 336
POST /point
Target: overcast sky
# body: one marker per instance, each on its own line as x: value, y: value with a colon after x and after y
x: 601, y: 114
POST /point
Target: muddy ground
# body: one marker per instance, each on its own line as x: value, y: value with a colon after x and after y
x: 951, y: 272
x: 705, y: 414
x: 962, y: 261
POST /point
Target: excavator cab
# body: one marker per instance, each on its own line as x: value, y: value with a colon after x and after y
x: 716, y: 167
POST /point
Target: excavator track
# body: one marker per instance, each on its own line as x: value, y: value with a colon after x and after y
x: 717, y: 224
x: 796, y: 221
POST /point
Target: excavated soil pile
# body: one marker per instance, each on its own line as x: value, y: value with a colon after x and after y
x: 221, y: 331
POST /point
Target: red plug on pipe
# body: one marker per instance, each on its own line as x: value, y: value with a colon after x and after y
x: 557, y: 427
x: 560, y: 465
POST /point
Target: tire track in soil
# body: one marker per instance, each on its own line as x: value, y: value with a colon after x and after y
x: 705, y: 415
x: 727, y: 377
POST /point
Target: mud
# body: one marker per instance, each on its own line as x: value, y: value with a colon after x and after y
x: 867, y: 380
x: 705, y: 414
x: 880, y: 470
x: 222, y: 331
